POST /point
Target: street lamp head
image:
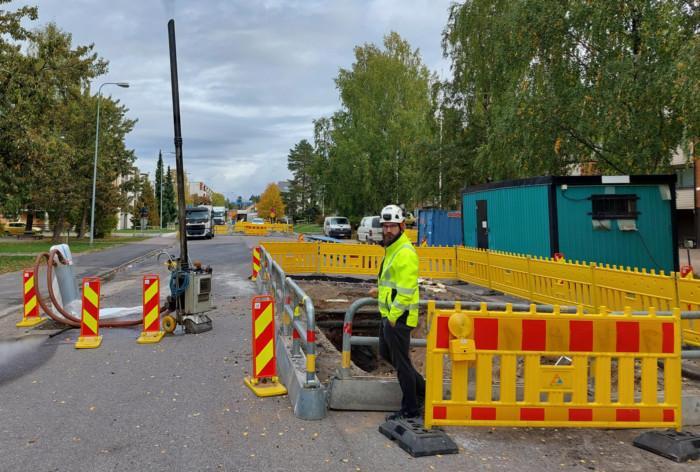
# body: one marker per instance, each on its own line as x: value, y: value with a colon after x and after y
x: 123, y: 84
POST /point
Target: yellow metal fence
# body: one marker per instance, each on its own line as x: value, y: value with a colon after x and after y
x: 516, y: 381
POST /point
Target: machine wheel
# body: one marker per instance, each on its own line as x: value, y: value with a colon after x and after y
x: 169, y: 324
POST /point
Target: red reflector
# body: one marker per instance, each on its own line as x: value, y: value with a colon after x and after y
x: 443, y: 333
x: 581, y: 414
x: 669, y: 416
x: 627, y: 414
x: 439, y: 412
x: 627, y: 336
x: 534, y: 335
x: 532, y: 414
x: 668, y: 346
x: 486, y: 333
x: 483, y: 413
x: 581, y: 336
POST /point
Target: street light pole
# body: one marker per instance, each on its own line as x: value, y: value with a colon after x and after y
x: 94, y: 163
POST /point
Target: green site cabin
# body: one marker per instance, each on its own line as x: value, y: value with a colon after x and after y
x: 621, y: 220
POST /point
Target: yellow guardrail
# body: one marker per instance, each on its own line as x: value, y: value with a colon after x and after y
x: 579, y: 394
x: 540, y: 280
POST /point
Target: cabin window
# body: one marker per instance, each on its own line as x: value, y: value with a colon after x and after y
x: 613, y: 207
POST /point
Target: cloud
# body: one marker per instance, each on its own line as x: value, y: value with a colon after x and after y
x: 253, y: 75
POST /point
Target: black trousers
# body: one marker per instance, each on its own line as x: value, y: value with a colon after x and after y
x: 393, y: 346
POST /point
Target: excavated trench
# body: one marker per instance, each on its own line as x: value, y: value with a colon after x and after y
x: 332, y: 297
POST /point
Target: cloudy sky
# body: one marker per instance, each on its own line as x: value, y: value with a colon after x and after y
x: 253, y: 74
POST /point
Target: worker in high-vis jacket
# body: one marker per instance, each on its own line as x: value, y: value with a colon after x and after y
x: 397, y: 296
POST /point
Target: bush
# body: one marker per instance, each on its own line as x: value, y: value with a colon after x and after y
x: 104, y: 225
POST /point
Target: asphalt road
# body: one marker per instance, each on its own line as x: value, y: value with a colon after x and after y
x: 181, y: 405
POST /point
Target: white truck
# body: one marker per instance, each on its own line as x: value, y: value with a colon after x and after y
x: 219, y: 215
x: 199, y: 222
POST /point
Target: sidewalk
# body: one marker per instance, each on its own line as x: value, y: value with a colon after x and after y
x: 87, y: 264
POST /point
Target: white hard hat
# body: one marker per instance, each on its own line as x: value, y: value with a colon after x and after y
x: 391, y: 214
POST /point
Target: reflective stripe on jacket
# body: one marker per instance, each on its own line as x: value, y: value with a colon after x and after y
x: 398, y: 282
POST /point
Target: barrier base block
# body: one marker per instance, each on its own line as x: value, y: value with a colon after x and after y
x: 29, y: 322
x: 413, y: 438
x: 88, y: 342
x: 270, y: 388
x: 150, y: 337
x: 677, y: 446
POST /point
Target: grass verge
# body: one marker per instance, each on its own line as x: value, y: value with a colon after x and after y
x: 14, y: 263
x: 10, y: 246
x: 308, y: 228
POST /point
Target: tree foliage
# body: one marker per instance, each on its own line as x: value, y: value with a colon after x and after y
x: 218, y: 199
x: 271, y: 202
x: 369, y: 152
x: 537, y: 87
x: 47, y: 128
x: 169, y: 205
x: 546, y: 86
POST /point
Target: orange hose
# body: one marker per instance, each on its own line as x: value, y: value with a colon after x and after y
x: 68, y: 319
x: 37, y: 262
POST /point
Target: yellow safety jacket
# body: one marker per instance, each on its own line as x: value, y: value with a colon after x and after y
x: 398, y: 282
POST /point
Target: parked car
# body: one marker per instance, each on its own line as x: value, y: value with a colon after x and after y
x: 337, y: 227
x: 17, y: 229
x: 258, y: 221
x: 370, y: 230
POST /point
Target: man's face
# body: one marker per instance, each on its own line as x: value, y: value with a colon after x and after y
x: 390, y: 231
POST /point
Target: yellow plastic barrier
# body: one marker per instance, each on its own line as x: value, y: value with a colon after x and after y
x: 597, y: 389
x: 280, y: 227
x: 357, y: 259
x: 412, y: 234
x: 294, y: 257
x: 510, y: 273
x: 255, y: 230
x: 473, y: 266
x: 689, y: 299
x: 437, y: 262
x: 562, y: 283
x: 536, y: 279
x: 221, y: 229
x: 619, y: 288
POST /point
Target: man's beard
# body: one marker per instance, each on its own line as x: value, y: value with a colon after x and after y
x: 388, y: 239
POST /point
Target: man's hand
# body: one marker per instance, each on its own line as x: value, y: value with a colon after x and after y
x: 373, y: 292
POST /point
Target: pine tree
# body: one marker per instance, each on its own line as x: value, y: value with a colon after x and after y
x: 169, y: 207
